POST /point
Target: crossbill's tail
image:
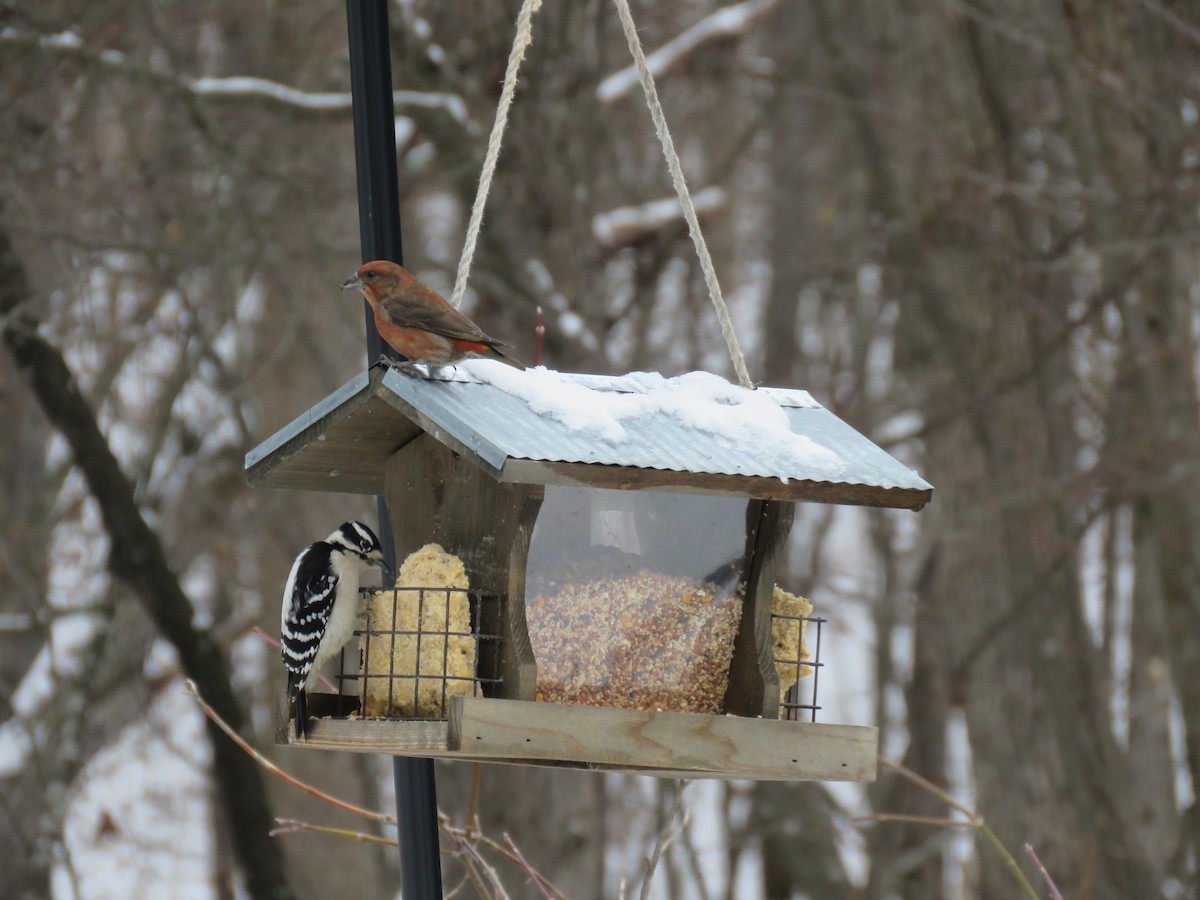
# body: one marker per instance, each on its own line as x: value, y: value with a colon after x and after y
x: 494, y: 353
x: 490, y: 350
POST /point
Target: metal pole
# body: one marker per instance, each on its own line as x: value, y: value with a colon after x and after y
x: 379, y: 229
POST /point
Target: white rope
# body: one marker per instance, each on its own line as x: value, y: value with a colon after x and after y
x: 521, y: 42
x: 681, y: 188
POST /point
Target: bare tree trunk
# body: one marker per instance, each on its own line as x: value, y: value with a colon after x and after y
x: 907, y: 860
x: 137, y: 558
x: 1167, y: 530
x: 1045, y: 760
x: 799, y: 843
x: 1149, y: 712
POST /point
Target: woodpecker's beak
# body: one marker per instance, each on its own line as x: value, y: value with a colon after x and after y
x: 384, y: 567
x: 353, y: 283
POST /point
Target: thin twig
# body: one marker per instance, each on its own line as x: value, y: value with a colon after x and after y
x: 1054, y: 891
x: 665, y: 839
x: 472, y: 852
x: 473, y: 874
x: 292, y: 826
x: 974, y: 820
x: 258, y: 632
x: 278, y: 772
x: 529, y: 870
x: 915, y: 820
x: 1009, y: 860
x: 456, y: 834
x: 539, y: 333
x: 465, y: 840
x: 926, y: 785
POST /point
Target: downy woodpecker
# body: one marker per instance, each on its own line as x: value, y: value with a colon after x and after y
x: 320, y: 604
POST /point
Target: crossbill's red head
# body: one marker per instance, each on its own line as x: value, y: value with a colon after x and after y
x: 378, y: 277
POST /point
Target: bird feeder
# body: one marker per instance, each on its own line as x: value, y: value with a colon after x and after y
x: 591, y: 567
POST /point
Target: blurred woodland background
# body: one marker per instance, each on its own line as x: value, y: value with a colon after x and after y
x: 969, y: 227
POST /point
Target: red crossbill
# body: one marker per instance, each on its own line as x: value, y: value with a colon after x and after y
x: 414, y: 319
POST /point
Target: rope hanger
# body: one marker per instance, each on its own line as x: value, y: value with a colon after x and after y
x: 521, y: 42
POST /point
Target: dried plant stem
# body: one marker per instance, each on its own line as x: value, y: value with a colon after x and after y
x: 473, y: 803
x: 278, y: 772
x: 973, y: 820
x: 1037, y: 861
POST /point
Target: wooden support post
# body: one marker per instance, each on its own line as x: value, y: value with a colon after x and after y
x: 753, y: 682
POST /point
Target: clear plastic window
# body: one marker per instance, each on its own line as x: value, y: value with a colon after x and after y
x: 632, y: 597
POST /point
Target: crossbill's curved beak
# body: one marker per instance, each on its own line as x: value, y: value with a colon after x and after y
x: 353, y: 283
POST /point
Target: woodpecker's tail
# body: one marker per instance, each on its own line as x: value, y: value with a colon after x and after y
x: 301, y: 715
x: 299, y: 700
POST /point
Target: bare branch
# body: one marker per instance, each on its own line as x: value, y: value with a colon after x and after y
x: 728, y: 22
x: 1176, y: 21
x: 278, y: 772
x: 230, y: 87
x: 621, y: 227
x: 234, y: 87
x: 665, y: 839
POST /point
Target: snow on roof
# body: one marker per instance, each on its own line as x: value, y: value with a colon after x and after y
x: 544, y: 427
x: 740, y: 421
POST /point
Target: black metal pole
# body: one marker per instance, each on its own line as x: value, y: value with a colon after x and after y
x: 379, y: 230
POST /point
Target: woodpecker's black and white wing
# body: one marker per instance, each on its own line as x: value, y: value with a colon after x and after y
x: 308, y: 601
x: 320, y: 603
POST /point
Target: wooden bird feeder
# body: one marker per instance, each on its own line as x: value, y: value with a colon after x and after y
x: 621, y: 538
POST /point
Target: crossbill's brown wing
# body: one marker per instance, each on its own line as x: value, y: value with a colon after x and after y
x: 420, y: 307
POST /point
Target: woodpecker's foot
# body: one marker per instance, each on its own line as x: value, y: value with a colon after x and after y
x: 366, y: 614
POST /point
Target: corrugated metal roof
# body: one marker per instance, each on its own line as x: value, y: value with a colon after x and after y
x: 509, y: 437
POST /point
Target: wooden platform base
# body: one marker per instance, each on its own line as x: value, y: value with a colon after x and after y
x: 667, y: 744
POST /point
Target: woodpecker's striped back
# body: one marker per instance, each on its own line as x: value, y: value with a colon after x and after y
x: 308, y: 603
x: 320, y: 601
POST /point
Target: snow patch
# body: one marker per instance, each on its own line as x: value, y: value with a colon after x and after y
x: 139, y: 821
x: 743, y: 420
